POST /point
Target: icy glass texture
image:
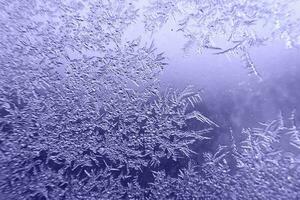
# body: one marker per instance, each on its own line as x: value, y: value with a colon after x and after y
x: 83, y: 114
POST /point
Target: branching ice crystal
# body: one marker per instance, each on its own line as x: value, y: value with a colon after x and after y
x: 228, y: 26
x: 82, y: 114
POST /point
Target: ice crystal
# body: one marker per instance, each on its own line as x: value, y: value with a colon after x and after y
x: 83, y: 116
x: 231, y: 27
x: 81, y: 112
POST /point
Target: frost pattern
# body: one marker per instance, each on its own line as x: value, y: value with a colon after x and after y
x: 262, y: 166
x: 82, y: 116
x: 231, y: 27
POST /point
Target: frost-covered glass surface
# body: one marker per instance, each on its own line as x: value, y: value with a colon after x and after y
x: 91, y: 108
